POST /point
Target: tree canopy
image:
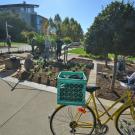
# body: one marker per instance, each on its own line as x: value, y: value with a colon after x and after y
x: 16, y: 22
x: 113, y: 30
x: 67, y: 28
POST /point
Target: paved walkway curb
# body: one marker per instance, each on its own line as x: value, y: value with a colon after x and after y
x: 31, y: 84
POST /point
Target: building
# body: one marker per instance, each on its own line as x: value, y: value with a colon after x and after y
x: 26, y: 13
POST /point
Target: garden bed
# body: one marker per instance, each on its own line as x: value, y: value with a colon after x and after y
x: 46, y: 73
x: 2, y: 58
x: 104, y: 76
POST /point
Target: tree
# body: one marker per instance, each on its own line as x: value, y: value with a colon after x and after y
x: 29, y: 36
x: 57, y: 19
x: 66, y: 27
x: 113, y: 31
x: 72, y: 29
x: 58, y: 23
x: 16, y: 22
x: 44, y: 27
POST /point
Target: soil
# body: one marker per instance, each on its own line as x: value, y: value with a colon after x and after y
x: 104, y: 77
x: 2, y: 59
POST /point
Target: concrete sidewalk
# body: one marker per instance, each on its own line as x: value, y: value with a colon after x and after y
x: 25, y: 111
x: 19, y: 48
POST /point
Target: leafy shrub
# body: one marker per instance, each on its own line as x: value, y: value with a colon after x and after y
x: 90, y: 65
x: 39, y: 39
x: 67, y: 40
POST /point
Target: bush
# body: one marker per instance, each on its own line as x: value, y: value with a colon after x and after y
x: 67, y: 40
x: 39, y: 39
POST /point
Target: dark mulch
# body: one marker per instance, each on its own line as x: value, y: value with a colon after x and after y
x: 2, y: 58
x: 104, y: 76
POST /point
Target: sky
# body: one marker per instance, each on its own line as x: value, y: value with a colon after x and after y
x: 84, y: 11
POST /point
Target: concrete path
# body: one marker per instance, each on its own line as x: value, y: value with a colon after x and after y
x: 25, y: 111
x: 22, y: 47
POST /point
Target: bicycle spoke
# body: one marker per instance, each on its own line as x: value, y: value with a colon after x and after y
x: 62, y: 121
x: 61, y: 116
x: 70, y: 113
x: 63, y: 131
x: 65, y: 116
x: 125, y: 123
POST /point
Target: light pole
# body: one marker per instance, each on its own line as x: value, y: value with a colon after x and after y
x: 8, y: 40
x: 6, y: 29
x: 7, y: 25
x: 7, y: 36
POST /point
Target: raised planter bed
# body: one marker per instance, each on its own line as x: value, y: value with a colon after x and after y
x: 48, y: 73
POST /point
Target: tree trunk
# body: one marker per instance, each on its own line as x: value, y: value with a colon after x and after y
x: 114, y: 72
x: 106, y: 60
x: 32, y: 47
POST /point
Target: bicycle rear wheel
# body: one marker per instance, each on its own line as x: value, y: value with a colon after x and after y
x: 125, y: 122
x: 72, y: 120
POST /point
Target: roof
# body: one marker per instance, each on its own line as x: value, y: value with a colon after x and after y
x: 19, y: 5
x: 42, y: 17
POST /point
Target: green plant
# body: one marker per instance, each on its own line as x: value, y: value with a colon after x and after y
x: 70, y: 64
x: 40, y: 62
x: 39, y: 39
x: 50, y: 73
x: 90, y: 65
x: 67, y: 40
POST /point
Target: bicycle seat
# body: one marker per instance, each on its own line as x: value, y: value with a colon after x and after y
x: 91, y: 89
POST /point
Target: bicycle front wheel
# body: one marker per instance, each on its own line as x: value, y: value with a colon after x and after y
x: 125, y: 122
x: 72, y: 120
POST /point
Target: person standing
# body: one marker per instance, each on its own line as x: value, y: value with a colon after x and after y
x: 28, y: 63
x: 32, y: 42
x: 58, y: 48
x: 65, y: 53
x: 130, y: 80
x: 8, y: 40
x: 47, y: 49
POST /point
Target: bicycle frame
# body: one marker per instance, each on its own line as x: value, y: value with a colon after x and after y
x: 92, y: 99
x: 128, y: 102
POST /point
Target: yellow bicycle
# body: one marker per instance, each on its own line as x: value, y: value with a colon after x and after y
x: 86, y: 120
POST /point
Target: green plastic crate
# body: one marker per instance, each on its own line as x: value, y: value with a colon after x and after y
x: 71, y: 88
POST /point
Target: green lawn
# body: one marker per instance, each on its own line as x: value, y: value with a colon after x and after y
x: 15, y: 44
x: 131, y: 59
x: 83, y: 53
x: 79, y: 51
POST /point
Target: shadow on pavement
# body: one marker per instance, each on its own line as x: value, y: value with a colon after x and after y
x: 6, y: 73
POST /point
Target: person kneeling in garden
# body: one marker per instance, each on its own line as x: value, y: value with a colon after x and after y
x: 24, y: 73
x: 28, y: 64
x: 131, y: 79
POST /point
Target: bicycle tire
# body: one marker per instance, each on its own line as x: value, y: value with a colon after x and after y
x: 66, y: 119
x: 125, y: 124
